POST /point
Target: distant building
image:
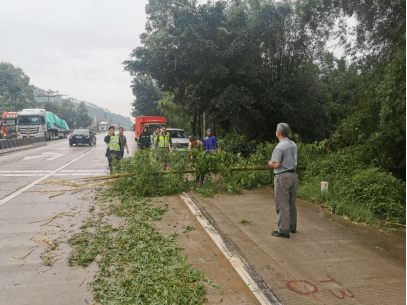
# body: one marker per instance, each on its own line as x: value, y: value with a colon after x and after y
x: 95, y: 122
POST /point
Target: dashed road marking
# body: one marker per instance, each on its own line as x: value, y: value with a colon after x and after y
x: 27, y: 187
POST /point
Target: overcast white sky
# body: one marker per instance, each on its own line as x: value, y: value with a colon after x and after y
x: 75, y: 47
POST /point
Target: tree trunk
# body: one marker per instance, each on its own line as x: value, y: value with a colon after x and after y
x: 199, y: 127
x: 193, y: 124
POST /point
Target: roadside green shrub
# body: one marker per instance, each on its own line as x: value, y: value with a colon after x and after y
x: 360, y: 192
x: 263, y: 153
x: 380, y: 192
x: 237, y: 144
x: 332, y: 165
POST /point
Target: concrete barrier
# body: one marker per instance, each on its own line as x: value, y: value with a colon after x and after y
x: 7, y: 146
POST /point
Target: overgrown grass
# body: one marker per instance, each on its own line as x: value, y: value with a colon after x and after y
x: 137, y: 264
x: 362, y: 193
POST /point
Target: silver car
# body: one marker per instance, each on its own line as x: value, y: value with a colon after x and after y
x: 179, y: 138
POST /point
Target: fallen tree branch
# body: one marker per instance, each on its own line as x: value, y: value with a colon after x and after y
x: 188, y: 171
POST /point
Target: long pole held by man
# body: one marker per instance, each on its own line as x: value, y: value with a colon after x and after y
x: 284, y: 162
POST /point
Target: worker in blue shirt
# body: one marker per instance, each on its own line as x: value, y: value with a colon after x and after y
x: 210, y: 141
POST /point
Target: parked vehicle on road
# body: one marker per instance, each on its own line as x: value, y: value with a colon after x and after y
x: 82, y: 136
x: 179, y: 138
x: 151, y: 122
x: 9, y: 124
x: 41, y: 123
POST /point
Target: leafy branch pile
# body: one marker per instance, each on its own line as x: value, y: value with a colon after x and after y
x: 137, y: 264
x: 148, y: 179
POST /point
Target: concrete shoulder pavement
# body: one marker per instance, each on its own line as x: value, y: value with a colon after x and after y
x: 328, y: 261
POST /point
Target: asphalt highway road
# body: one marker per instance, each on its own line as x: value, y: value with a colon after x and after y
x: 24, y: 211
x: 56, y: 160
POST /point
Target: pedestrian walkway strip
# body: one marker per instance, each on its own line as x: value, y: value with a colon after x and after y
x: 27, y: 187
x: 258, y: 287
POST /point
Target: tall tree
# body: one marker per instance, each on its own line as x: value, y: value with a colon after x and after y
x: 82, y: 118
x: 228, y: 59
x: 16, y: 93
x: 147, y: 94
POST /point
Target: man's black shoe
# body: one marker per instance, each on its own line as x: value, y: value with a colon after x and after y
x: 278, y: 234
x: 293, y: 231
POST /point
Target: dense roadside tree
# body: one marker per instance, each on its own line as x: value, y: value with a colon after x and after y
x: 375, y: 124
x: 230, y: 60
x: 252, y: 64
x: 147, y: 94
x: 16, y: 93
x: 82, y: 118
x: 176, y: 116
x: 74, y: 117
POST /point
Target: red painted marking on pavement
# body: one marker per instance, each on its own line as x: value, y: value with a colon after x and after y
x: 331, y: 280
x: 289, y: 286
x: 343, y: 294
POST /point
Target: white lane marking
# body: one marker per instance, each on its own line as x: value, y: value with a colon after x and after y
x: 27, y: 187
x: 81, y: 174
x: 237, y: 262
x: 56, y: 155
x: 32, y: 157
x: 61, y: 174
x: 20, y: 175
x: 60, y: 148
x: 28, y: 171
x: 46, y: 154
x: 32, y: 173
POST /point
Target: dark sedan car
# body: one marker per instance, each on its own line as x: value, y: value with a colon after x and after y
x: 82, y: 136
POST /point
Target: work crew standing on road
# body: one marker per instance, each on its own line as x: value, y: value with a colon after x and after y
x: 144, y: 140
x: 284, y: 162
x: 154, y: 137
x: 113, y: 147
x: 122, y: 142
x: 210, y: 141
x: 163, y: 140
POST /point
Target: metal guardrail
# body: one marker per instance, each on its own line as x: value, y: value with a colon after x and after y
x: 7, y: 146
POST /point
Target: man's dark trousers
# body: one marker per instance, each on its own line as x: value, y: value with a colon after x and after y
x: 285, y: 190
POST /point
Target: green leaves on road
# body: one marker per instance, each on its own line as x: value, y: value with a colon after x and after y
x: 137, y: 264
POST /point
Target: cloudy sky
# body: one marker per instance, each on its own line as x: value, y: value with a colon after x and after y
x: 75, y: 47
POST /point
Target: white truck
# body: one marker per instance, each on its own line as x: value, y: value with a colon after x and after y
x: 40, y: 123
x: 103, y: 126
